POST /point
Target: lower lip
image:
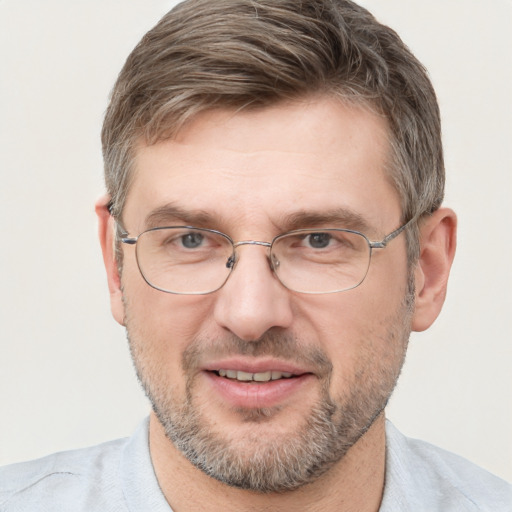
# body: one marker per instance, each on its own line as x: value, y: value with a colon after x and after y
x: 257, y: 394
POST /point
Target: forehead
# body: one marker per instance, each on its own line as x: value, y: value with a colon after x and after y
x: 262, y: 166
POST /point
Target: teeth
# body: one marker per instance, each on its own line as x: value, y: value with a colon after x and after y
x: 244, y: 376
x: 257, y: 377
x: 262, y: 377
x: 279, y: 375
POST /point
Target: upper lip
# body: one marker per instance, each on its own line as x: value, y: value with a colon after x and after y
x: 255, y: 366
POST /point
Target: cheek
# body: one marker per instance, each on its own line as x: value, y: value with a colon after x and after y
x: 361, y: 328
x: 162, y: 325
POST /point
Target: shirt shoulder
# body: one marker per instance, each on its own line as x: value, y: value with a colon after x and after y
x: 87, y: 476
x: 420, y: 476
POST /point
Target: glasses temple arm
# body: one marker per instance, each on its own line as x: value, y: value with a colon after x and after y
x: 122, y: 234
x: 384, y: 242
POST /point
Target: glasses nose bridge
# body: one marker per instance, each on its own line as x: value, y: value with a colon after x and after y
x: 234, y: 258
x: 251, y: 242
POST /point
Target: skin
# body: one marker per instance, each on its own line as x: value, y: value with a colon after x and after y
x: 250, y: 172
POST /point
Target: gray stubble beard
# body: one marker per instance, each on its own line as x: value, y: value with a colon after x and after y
x: 284, y: 463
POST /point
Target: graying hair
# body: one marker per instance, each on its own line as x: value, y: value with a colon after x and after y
x: 251, y: 54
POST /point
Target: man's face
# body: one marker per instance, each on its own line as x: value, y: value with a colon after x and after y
x: 251, y: 175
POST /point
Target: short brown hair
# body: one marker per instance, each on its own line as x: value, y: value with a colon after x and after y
x: 248, y: 54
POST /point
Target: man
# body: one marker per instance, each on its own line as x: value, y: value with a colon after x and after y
x: 272, y: 233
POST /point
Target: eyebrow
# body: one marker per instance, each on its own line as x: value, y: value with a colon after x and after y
x: 337, y: 218
x: 172, y: 214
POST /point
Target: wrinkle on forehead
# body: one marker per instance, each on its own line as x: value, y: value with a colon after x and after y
x: 289, y: 166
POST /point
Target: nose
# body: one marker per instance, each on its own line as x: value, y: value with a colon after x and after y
x: 253, y: 300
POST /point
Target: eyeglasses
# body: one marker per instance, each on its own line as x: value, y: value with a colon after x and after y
x: 195, y: 261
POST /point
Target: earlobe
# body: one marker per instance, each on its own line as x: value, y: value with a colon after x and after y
x: 438, y: 236
x: 106, y: 227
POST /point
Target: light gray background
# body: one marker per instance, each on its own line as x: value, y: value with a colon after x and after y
x: 65, y: 375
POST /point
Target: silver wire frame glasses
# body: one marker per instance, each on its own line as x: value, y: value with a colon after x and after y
x: 196, y: 261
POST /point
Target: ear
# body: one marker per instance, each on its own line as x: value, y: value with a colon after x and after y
x: 438, y: 235
x: 106, y: 230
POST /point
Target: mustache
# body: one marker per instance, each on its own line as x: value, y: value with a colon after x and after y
x: 274, y: 343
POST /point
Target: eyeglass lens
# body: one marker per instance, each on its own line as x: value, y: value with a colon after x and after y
x: 199, y: 261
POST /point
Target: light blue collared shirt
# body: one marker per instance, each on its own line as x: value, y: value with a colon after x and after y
x: 118, y: 477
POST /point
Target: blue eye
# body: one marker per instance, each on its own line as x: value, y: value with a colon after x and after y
x: 319, y: 240
x: 192, y: 240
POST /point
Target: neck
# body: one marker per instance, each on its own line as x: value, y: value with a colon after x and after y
x: 354, y: 483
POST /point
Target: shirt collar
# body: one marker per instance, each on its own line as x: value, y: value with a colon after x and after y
x: 138, y: 480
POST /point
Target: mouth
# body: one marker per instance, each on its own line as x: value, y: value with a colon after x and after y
x: 266, y: 376
x: 248, y: 384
